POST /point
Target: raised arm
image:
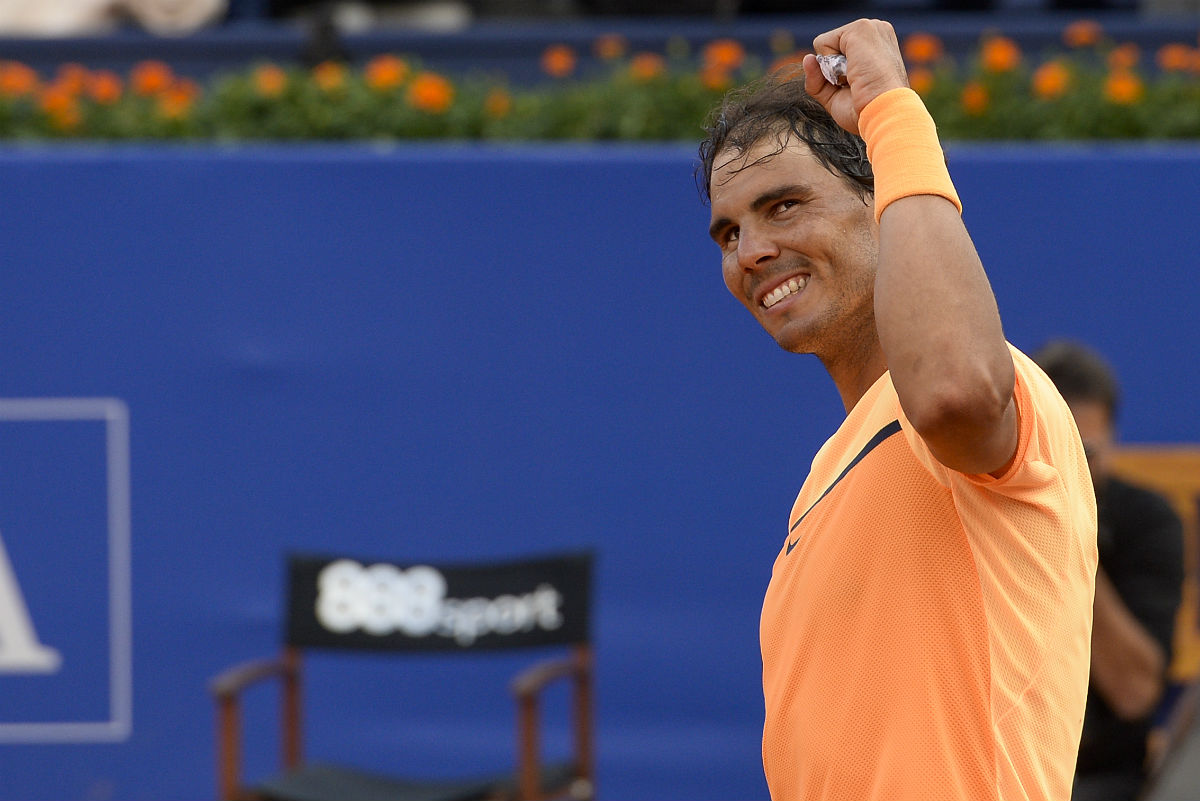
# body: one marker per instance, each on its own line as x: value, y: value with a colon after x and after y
x: 937, y: 320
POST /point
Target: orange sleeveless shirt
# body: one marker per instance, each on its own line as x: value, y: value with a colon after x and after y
x: 926, y: 634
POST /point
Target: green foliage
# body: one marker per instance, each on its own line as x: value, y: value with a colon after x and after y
x: 1093, y: 91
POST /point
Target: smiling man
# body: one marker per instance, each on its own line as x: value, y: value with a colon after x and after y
x: 925, y: 634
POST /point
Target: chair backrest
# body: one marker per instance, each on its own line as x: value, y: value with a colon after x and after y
x: 1174, y: 471
x: 345, y: 603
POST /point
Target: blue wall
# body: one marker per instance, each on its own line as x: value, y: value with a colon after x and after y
x: 449, y: 352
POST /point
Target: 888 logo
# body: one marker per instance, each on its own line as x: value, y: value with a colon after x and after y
x: 380, y: 599
x: 383, y: 599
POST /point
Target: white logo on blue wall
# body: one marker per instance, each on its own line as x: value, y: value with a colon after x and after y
x: 382, y: 599
x: 20, y: 649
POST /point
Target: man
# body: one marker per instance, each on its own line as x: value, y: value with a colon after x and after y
x: 926, y: 630
x: 1138, y: 588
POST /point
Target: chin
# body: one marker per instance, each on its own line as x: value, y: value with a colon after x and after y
x: 794, y: 344
x: 792, y: 341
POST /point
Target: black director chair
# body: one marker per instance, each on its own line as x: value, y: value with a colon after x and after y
x: 345, y: 605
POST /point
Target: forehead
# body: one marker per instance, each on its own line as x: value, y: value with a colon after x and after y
x: 738, y: 173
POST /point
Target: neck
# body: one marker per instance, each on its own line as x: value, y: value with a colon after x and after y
x: 853, y: 374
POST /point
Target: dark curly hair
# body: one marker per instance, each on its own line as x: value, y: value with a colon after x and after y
x: 777, y: 106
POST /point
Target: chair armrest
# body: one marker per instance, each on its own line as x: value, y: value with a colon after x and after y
x: 226, y: 689
x: 527, y: 687
x: 231, y: 682
x: 535, y: 677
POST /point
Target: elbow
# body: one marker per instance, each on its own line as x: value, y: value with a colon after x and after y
x: 961, y: 409
x: 1130, y: 676
x: 1138, y: 698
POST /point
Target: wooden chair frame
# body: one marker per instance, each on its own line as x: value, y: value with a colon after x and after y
x: 565, y: 579
x: 526, y: 687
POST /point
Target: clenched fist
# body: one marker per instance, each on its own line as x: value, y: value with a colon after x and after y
x: 873, y: 66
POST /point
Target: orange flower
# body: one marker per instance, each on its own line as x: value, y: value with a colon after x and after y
x: 59, y: 104
x: 330, y: 76
x: 67, y: 119
x: 610, y: 46
x: 1000, y: 54
x: 269, y: 80
x: 150, y: 78
x: 1175, y: 57
x: 725, y: 54
x: 173, y: 105
x: 431, y: 93
x: 188, y: 87
x: 647, y: 66
x: 715, y: 78
x: 789, y: 63
x: 497, y: 104
x: 104, y: 87
x: 55, y: 99
x: 17, y: 80
x: 176, y: 103
x: 1051, y: 80
x: 1123, y: 88
x: 386, y: 72
x: 975, y: 98
x: 922, y: 48
x: 921, y: 80
x: 72, y: 78
x: 1124, y: 57
x: 558, y: 61
x: 1082, y: 33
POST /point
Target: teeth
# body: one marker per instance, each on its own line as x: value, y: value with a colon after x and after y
x: 789, y: 287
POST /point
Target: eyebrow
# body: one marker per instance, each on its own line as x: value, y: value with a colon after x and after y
x: 765, y: 199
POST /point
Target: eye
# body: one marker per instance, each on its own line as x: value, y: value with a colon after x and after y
x: 728, y: 237
x: 785, y: 205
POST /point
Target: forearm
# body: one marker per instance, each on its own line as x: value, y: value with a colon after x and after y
x: 1127, y: 664
x: 937, y: 320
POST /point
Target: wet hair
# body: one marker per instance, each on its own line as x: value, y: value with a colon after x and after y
x: 1080, y: 373
x: 776, y: 106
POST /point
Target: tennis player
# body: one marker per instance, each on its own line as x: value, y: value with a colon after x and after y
x: 925, y: 634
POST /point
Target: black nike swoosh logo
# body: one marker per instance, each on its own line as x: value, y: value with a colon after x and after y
x: 883, y: 433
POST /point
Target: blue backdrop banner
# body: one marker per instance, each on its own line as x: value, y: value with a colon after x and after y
x: 216, y: 356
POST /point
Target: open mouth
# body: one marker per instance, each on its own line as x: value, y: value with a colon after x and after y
x: 786, y: 289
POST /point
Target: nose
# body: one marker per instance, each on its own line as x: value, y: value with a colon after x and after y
x: 755, y: 249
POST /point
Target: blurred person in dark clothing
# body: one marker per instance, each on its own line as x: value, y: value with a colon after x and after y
x: 1138, y: 588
